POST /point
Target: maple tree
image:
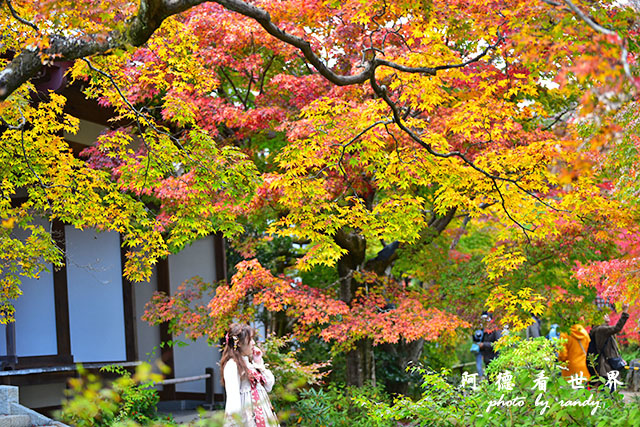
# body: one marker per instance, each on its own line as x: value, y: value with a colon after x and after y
x: 362, y: 131
x: 615, y: 277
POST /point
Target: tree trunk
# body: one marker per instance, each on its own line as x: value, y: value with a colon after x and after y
x: 355, y: 375
x: 361, y: 361
x: 369, y: 361
x: 404, y: 355
x: 352, y: 261
x: 361, y: 365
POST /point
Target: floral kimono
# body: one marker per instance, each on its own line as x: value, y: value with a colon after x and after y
x: 248, y: 404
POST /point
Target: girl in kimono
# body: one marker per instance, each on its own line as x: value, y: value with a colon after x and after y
x: 246, y: 380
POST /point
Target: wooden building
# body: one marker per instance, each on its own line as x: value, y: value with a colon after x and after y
x: 87, y: 312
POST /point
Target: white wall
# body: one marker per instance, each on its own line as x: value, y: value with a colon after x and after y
x: 94, y: 279
x: 148, y: 337
x: 198, y: 259
x: 36, y: 317
x: 35, y: 313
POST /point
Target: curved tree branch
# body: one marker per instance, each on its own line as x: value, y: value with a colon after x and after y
x: 149, y: 18
x: 26, y: 64
x: 18, y: 17
x: 575, y: 10
x: 590, y: 22
x: 151, y: 13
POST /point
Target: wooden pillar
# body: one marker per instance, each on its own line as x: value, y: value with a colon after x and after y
x: 220, y: 257
x: 11, y: 360
x: 61, y: 298
x: 169, y: 390
x: 129, y: 304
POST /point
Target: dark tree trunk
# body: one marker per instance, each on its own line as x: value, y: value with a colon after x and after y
x: 355, y: 374
x: 353, y: 260
x: 404, y: 354
x: 360, y: 361
x: 361, y: 364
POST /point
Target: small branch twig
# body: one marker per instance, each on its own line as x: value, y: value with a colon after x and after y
x: 264, y: 74
x: 20, y: 128
x: 248, y: 92
x: 233, y: 86
x: 132, y: 108
x: 19, y: 18
x: 506, y: 211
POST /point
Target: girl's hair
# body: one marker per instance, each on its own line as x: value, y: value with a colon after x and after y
x: 237, y: 335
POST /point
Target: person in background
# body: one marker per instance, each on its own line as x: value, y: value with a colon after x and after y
x: 605, y: 342
x: 478, y: 334
x: 533, y: 330
x: 488, y: 339
x: 553, y: 333
x: 574, y: 351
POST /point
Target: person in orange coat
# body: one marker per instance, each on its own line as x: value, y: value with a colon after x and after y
x: 575, y: 351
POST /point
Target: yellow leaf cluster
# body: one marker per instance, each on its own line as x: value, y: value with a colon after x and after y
x: 515, y: 309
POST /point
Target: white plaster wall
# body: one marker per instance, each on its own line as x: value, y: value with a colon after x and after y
x: 198, y: 259
x: 94, y: 279
x: 35, y: 312
x: 35, y: 317
x: 148, y: 337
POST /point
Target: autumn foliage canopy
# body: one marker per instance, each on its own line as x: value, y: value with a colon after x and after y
x: 342, y: 126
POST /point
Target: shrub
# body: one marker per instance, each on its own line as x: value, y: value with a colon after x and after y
x: 337, y: 406
x: 291, y: 375
x: 510, y: 397
x: 128, y: 400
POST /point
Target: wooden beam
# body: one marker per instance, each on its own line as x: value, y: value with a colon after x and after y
x: 61, y: 297
x: 27, y: 362
x: 168, y: 391
x: 220, y: 257
x: 129, y: 304
x: 58, y: 374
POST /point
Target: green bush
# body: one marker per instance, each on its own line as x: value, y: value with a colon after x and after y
x: 291, y: 375
x: 521, y: 403
x: 630, y: 351
x: 128, y: 400
x: 139, y: 403
x: 441, y: 404
x: 336, y: 406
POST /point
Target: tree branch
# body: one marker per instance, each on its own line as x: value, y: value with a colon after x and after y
x: 18, y: 17
x: 233, y: 86
x: 590, y: 22
x: 599, y: 28
x: 354, y: 139
x: 397, y: 119
x: 248, y: 92
x: 26, y: 64
x: 506, y: 211
x: 20, y: 127
x: 456, y: 238
x: 264, y: 74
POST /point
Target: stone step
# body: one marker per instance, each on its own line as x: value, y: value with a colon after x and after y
x: 15, y: 421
